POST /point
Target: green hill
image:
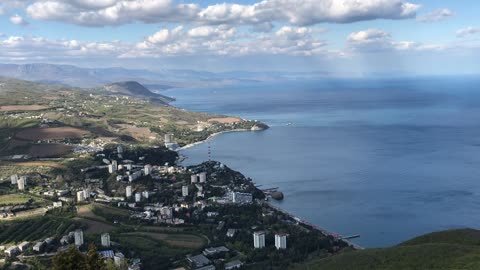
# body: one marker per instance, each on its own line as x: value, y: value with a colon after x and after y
x: 448, y: 250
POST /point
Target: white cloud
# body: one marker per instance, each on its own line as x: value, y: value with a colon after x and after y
x: 226, y: 40
x: 37, y: 48
x: 437, y: 15
x: 466, y: 32
x: 18, y: 20
x: 376, y: 40
x: 261, y: 14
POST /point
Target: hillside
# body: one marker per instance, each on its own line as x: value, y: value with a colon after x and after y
x: 133, y: 88
x: 43, y: 120
x: 454, y: 249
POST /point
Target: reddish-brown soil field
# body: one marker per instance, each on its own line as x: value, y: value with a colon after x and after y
x: 9, y: 108
x: 49, y: 150
x: 34, y: 134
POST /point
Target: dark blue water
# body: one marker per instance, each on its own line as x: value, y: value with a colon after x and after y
x: 385, y: 159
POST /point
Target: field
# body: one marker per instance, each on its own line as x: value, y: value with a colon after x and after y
x: 173, y: 239
x: 456, y: 249
x: 225, y: 120
x: 35, y: 134
x: 94, y: 226
x: 49, y: 150
x: 13, y: 199
x: 9, y: 108
x: 34, y: 229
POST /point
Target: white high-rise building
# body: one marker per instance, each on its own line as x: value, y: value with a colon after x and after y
x: 14, y: 179
x: 184, y: 191
x: 22, y: 182
x: 78, y: 236
x: 111, y: 168
x: 146, y: 194
x: 281, y: 241
x: 193, y: 178
x: 128, y: 191
x: 203, y: 177
x: 138, y: 197
x: 259, y: 239
x: 81, y: 196
x: 105, y: 240
x: 148, y: 169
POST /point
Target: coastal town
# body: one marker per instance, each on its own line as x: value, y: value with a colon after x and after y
x: 130, y: 190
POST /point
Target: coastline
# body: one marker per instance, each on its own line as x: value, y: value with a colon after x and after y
x: 213, y: 136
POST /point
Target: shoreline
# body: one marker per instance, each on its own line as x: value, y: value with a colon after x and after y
x: 211, y: 136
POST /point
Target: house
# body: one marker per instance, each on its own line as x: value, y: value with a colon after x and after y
x: 215, y: 250
x: 12, y: 251
x: 24, y: 246
x: 38, y: 247
x: 231, y: 232
x: 233, y: 265
x: 198, y: 261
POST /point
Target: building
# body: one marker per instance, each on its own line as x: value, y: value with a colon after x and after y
x: 120, y: 149
x: 281, y: 241
x: 58, y: 204
x: 198, y: 261
x: 14, y: 179
x: 128, y: 191
x: 203, y: 177
x: 118, y: 259
x: 231, y: 233
x: 111, y: 169
x: 78, y: 236
x: 12, y: 251
x: 233, y: 265
x: 138, y: 197
x: 168, y: 138
x: 24, y: 246
x: 38, y: 247
x: 22, y: 182
x: 146, y: 195
x: 147, y: 170
x: 184, y: 191
x: 114, y: 165
x: 193, y: 178
x: 105, y: 238
x: 259, y: 239
x: 215, y: 250
x: 81, y: 196
x: 242, y: 198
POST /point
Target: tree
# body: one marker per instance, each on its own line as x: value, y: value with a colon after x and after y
x: 71, y: 259
x: 93, y: 260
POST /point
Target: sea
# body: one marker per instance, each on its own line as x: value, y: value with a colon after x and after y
x: 388, y: 159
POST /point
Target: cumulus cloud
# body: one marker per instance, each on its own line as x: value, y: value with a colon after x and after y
x: 226, y: 40
x: 469, y: 31
x: 18, y: 48
x: 18, y: 20
x: 376, y: 40
x: 437, y: 15
x: 260, y: 14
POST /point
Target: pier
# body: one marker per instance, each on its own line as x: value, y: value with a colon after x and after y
x: 323, y: 231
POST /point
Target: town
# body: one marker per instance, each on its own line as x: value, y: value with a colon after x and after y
x: 125, y: 190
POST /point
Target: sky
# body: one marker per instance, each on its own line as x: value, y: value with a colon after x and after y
x: 342, y: 37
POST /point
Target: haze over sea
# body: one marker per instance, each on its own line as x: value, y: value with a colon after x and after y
x: 387, y: 159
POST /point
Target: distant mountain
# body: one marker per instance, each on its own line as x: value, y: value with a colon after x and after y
x: 133, y: 88
x: 156, y: 81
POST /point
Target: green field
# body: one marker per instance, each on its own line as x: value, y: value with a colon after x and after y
x: 14, y: 199
x: 35, y: 229
x: 456, y: 249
